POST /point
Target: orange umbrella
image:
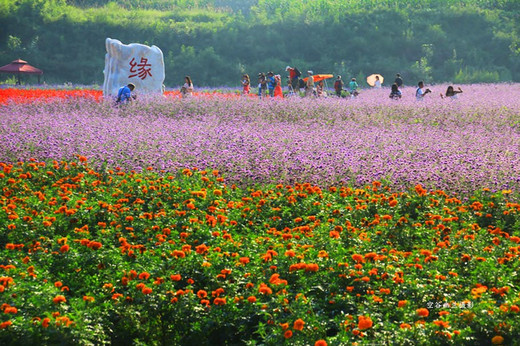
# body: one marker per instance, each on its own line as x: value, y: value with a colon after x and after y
x: 319, y: 77
x: 371, y: 80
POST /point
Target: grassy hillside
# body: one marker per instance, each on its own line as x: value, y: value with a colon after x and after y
x: 215, y: 41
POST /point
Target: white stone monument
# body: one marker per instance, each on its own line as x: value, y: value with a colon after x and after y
x: 133, y: 63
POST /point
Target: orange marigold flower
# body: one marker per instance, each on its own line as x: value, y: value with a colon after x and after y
x: 320, y: 343
x: 402, y: 303
x: 202, y: 294
x: 59, y: 299
x: 5, y: 324
x: 364, y: 322
x: 175, y: 277
x: 95, y: 245
x: 45, y: 322
x: 219, y: 301
x: 298, y: 324
x: 288, y: 334
x: 514, y: 308
x: 264, y: 289
x: 497, y: 340
x: 423, y: 312
x: 251, y: 299
x: 10, y: 310
x: 144, y: 276
x: 64, y: 248
x: 405, y: 326
x: 312, y: 267
x: 442, y: 324
x: 358, y: 258
x: 147, y: 290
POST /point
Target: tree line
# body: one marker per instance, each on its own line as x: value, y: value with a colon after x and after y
x: 216, y: 41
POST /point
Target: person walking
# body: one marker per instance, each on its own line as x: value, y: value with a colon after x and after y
x: 245, y: 84
x: 309, y: 87
x: 338, y: 86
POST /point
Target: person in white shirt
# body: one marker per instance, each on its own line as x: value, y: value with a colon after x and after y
x: 452, y: 93
x: 187, y: 88
x: 421, y: 92
x: 377, y: 83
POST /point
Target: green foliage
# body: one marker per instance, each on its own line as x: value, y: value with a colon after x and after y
x: 228, y: 37
x: 105, y: 256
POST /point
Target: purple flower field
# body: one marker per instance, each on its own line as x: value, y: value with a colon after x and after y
x: 459, y: 145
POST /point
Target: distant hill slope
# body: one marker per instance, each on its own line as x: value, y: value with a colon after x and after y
x: 215, y: 41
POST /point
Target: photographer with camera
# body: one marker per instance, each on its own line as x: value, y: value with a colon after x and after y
x: 421, y: 92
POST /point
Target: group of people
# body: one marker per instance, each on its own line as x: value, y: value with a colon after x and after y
x: 268, y: 84
x: 271, y: 85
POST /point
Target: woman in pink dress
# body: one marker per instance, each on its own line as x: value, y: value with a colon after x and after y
x: 278, y: 88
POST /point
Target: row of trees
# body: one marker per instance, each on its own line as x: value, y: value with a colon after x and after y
x: 215, y: 41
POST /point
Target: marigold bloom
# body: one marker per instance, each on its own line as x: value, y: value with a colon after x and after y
x: 45, y: 322
x: 251, y: 299
x: 312, y: 267
x: 497, y: 340
x: 358, y: 258
x: 402, y: 303
x: 95, y: 245
x: 5, y: 324
x: 423, y: 312
x: 442, y: 324
x: 405, y: 326
x: 147, y: 290
x: 298, y: 324
x: 264, y: 289
x: 202, y: 294
x: 175, y: 277
x: 364, y: 322
x: 144, y: 276
x: 59, y: 299
x: 10, y: 310
x: 320, y: 343
x: 64, y: 248
x: 219, y: 301
x: 288, y: 334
